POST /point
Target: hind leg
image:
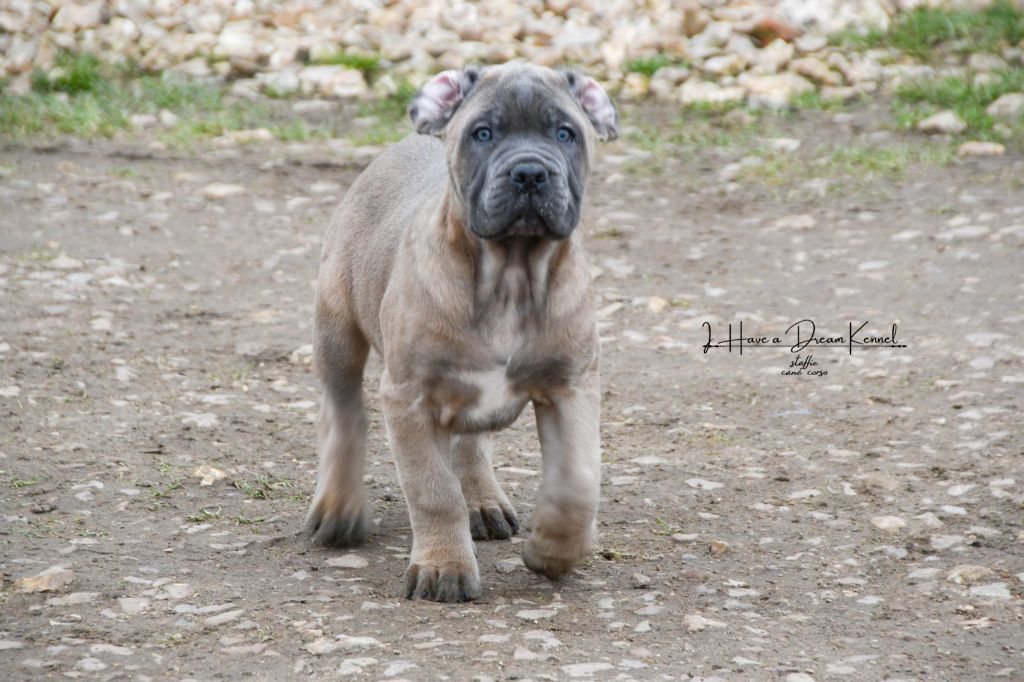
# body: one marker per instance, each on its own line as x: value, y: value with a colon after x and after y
x: 338, y: 515
x: 491, y: 515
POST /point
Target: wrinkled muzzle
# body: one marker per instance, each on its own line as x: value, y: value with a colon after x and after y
x: 525, y: 194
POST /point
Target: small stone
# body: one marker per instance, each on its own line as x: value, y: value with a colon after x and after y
x: 946, y: 541
x: 728, y: 64
x: 890, y: 524
x: 985, y: 61
x: 321, y: 646
x: 221, y: 190
x: 774, y: 91
x: 585, y: 669
x: 1009, y: 107
x: 990, y: 591
x: 110, y: 649
x: 91, y: 665
x: 133, y: 606
x: 981, y: 149
x: 702, y: 484
x: 718, y: 547
x: 786, y: 145
x: 796, y: 221
x: 656, y: 304
x: 816, y: 70
x: 332, y: 81
x: 640, y: 581
x: 522, y: 653
x: 222, y: 618
x: 354, y: 666
x: 348, y: 561
x: 968, y: 573
x: 923, y: 573
x: 696, y: 623
x: 64, y: 262
x: 200, y: 420
x: 73, y: 599
x: 50, y: 580
x: 509, y: 565
x: 706, y: 92
x: 960, y: 489
x: 208, y: 474
x: 945, y: 122
x: 537, y: 614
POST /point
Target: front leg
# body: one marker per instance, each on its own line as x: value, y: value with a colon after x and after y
x: 442, y: 566
x: 564, y: 523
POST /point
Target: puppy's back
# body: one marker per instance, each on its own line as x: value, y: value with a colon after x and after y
x: 367, y: 228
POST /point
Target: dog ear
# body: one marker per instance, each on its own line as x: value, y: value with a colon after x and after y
x: 437, y: 100
x: 596, y: 104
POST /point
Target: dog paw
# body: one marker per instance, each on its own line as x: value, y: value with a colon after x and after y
x: 338, y: 525
x: 553, y: 557
x: 448, y: 582
x: 493, y: 522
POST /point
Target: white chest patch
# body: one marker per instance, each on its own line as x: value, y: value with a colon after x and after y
x: 495, y: 404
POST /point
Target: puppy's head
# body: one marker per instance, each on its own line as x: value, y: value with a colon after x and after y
x: 520, y: 139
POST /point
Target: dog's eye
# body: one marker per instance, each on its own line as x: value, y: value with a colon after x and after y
x: 482, y: 134
x: 565, y: 134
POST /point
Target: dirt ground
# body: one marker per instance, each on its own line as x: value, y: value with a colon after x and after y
x: 864, y: 524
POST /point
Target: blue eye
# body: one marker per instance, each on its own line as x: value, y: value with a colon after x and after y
x: 482, y: 134
x: 565, y: 134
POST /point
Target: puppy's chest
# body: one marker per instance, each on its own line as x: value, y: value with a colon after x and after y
x: 489, y: 391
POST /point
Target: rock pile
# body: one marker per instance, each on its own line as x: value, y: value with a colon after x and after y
x: 689, y: 51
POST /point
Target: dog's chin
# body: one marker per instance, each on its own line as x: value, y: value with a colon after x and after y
x: 529, y: 224
x: 526, y: 224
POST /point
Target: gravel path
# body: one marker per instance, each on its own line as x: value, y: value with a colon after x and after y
x: 157, y: 433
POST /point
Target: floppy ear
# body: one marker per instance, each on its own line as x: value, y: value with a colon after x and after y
x: 438, y: 99
x: 596, y: 104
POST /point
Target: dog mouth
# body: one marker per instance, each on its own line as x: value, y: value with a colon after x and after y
x: 528, y: 223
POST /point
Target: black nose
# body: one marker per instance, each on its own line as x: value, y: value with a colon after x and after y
x: 529, y: 177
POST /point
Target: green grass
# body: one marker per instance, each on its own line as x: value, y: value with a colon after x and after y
x: 848, y: 168
x: 264, y: 487
x: 390, y: 114
x: 649, y: 65
x: 392, y: 108
x: 367, y: 63
x: 87, y: 98
x: 19, y: 483
x: 205, y: 514
x: 922, y: 32
x: 920, y: 98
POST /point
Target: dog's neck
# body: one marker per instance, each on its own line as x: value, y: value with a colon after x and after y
x: 511, y: 275
x: 517, y: 273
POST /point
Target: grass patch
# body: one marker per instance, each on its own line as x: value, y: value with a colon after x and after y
x: 847, y: 169
x: 814, y: 101
x: 166, y: 489
x: 390, y: 114
x: 367, y: 63
x: 19, y: 483
x: 922, y: 32
x: 650, y: 64
x: 393, y: 107
x: 919, y: 98
x: 264, y: 487
x: 87, y: 98
x: 205, y: 514
x: 663, y: 527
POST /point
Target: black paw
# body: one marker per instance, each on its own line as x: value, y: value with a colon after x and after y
x: 492, y: 524
x: 338, y: 530
x: 443, y: 583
